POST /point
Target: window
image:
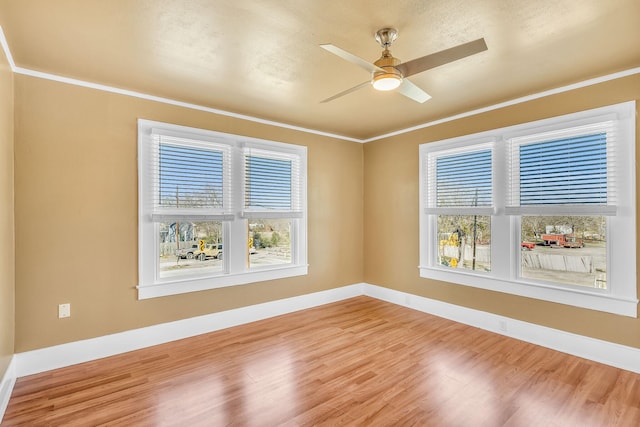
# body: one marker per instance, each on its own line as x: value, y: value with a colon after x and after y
x: 271, y: 205
x: 543, y: 210
x: 217, y: 209
x: 461, y: 187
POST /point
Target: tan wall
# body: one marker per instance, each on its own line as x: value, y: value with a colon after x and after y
x: 391, y: 222
x: 76, y: 181
x: 7, y: 259
x: 76, y: 214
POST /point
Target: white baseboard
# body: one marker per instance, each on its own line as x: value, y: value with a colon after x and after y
x: 605, y: 352
x: 49, y: 358
x: 46, y: 359
x: 6, y: 386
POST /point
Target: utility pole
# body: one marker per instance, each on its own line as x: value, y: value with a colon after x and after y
x: 177, y: 223
x: 475, y: 227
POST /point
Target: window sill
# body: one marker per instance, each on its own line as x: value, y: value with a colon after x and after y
x: 185, y: 285
x: 587, y: 298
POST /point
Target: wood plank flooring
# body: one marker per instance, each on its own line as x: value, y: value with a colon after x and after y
x: 356, y: 362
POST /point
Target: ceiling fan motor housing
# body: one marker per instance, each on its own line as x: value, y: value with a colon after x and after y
x: 391, y: 77
x: 387, y: 61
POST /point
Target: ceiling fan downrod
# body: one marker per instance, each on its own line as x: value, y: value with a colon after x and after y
x: 386, y: 36
x: 391, y: 78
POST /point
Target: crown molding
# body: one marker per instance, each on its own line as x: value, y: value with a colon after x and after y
x: 111, y: 89
x: 515, y: 101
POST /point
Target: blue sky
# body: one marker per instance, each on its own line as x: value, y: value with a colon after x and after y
x: 564, y: 171
x: 195, y: 174
x: 193, y: 177
x: 461, y: 178
x: 268, y: 183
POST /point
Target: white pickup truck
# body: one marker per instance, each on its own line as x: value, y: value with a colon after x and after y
x: 187, y: 253
x: 201, y: 251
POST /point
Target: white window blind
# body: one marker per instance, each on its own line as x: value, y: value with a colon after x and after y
x: 460, y: 181
x: 272, y: 184
x: 562, y: 172
x: 191, y: 179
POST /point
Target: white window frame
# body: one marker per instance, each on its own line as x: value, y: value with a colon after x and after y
x: 620, y: 297
x: 235, y: 269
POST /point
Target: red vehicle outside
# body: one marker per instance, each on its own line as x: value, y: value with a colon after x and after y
x: 562, y: 240
x: 527, y: 245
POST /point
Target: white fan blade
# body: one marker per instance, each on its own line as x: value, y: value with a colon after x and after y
x: 446, y: 56
x: 412, y: 91
x: 351, y: 58
x: 353, y: 89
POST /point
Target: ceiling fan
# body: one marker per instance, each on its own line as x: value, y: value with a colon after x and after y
x: 389, y: 73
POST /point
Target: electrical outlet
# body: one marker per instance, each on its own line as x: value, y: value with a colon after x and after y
x: 503, y: 325
x: 64, y: 310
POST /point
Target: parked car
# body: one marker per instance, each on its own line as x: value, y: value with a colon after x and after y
x: 187, y: 253
x: 527, y: 246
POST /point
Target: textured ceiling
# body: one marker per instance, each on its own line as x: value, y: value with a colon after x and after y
x: 261, y: 58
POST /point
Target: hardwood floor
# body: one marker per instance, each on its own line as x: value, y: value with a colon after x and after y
x: 355, y: 362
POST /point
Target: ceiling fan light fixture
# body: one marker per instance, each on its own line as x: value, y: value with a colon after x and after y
x: 388, y: 73
x: 386, y: 81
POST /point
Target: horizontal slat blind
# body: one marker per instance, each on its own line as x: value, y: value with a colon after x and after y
x: 461, y: 181
x: 191, y: 179
x: 192, y: 217
x: 271, y: 184
x: 566, y: 171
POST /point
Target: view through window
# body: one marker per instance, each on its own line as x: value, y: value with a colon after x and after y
x: 188, y: 247
x: 269, y: 242
x: 565, y: 249
x: 464, y: 241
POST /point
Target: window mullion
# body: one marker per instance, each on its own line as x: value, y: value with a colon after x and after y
x: 501, y: 242
x: 237, y: 229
